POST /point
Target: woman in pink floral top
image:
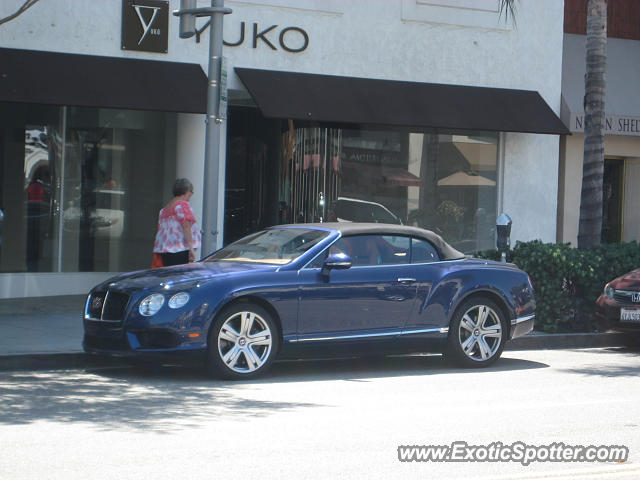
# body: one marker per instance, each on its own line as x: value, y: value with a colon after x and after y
x: 178, y: 234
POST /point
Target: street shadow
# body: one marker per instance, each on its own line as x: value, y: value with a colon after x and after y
x: 327, y: 369
x: 607, y: 371
x: 624, y: 349
x: 605, y: 368
x: 365, y: 368
x: 159, y: 399
x: 164, y: 398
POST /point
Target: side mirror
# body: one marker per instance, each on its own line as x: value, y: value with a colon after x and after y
x: 337, y: 261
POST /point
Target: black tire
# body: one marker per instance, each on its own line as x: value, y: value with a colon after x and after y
x: 474, y: 341
x: 254, y: 348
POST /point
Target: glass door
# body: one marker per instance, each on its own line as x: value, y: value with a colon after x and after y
x: 30, y: 158
x: 612, y: 188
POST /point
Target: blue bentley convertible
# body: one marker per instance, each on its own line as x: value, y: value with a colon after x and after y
x: 301, y: 290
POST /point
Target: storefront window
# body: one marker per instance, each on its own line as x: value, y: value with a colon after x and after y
x: 80, y: 187
x: 39, y: 167
x: 442, y: 181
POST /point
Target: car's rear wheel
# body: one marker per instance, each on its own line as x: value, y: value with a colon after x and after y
x: 477, y: 333
x: 243, y: 341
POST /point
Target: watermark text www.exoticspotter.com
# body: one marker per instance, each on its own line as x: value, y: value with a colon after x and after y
x: 515, y: 452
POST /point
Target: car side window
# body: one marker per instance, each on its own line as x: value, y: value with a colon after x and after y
x: 374, y: 249
x: 423, y: 252
x: 394, y: 250
x: 367, y: 250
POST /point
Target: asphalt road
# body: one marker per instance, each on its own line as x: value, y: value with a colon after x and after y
x: 324, y: 419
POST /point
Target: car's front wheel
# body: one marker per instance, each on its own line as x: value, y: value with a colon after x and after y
x: 477, y: 333
x: 243, y: 341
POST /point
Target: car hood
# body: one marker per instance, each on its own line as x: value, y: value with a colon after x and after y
x: 629, y: 281
x: 181, y: 274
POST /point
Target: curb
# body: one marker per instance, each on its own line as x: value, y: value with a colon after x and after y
x: 54, y: 361
x: 534, y: 341
x: 543, y: 341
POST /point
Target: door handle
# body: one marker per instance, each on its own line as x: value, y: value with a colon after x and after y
x: 406, y: 280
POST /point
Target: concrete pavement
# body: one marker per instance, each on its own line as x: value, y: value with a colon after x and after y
x: 46, y: 332
x: 320, y: 420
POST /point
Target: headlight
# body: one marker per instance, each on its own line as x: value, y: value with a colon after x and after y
x: 608, y: 291
x: 151, y: 304
x: 179, y: 300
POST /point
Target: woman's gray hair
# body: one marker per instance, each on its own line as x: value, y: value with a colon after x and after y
x: 182, y: 186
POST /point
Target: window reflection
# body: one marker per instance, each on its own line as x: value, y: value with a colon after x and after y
x: 441, y: 181
x: 459, y: 194
x: 38, y: 198
x: 114, y: 166
x: 84, y: 197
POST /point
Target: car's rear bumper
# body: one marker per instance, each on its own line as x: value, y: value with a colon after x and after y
x: 522, y: 325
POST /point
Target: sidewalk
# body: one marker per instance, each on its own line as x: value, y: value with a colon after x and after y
x: 46, y: 333
x: 41, y: 325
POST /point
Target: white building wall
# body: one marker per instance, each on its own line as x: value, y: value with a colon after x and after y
x: 531, y: 186
x: 190, y: 156
x: 14, y: 285
x: 389, y: 39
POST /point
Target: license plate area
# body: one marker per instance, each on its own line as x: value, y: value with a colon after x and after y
x: 630, y: 315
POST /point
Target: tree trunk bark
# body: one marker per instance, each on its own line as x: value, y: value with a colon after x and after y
x: 590, y: 228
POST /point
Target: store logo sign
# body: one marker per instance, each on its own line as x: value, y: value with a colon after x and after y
x: 289, y: 39
x: 145, y: 25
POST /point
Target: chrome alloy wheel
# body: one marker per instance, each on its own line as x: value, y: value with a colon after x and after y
x: 480, y: 332
x: 244, y: 342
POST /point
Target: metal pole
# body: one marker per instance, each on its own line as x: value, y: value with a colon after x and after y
x: 214, y: 166
x: 213, y: 195
x: 61, y: 193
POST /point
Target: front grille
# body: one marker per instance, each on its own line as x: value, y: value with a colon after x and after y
x: 115, y: 306
x: 624, y: 296
x: 107, y: 306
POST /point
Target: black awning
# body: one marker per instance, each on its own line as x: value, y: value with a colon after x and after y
x: 327, y: 98
x: 85, y: 80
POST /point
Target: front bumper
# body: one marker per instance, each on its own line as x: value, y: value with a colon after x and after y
x: 608, y: 310
x: 522, y: 325
x: 113, y: 326
x: 123, y: 342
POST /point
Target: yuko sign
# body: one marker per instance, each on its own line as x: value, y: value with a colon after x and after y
x: 145, y: 25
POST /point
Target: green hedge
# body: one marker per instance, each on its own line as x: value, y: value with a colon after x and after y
x: 567, y: 281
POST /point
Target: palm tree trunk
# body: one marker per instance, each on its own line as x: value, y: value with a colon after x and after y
x: 590, y: 228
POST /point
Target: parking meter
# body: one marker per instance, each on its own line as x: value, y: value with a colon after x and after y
x: 503, y: 229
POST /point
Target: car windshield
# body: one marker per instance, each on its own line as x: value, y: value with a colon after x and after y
x: 277, y: 246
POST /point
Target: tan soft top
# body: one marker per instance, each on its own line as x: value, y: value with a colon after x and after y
x: 446, y: 251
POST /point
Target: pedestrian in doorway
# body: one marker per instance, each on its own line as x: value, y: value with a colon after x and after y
x: 178, y: 234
